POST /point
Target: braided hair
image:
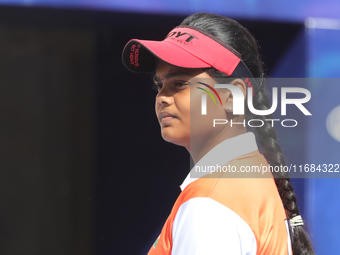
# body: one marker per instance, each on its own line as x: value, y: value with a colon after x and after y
x: 238, y: 37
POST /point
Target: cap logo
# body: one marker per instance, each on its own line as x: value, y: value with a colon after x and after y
x: 177, y: 34
x: 134, y: 52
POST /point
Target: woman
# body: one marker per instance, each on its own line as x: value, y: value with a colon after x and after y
x: 219, y: 215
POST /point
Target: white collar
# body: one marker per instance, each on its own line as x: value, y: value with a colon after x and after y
x: 223, y: 153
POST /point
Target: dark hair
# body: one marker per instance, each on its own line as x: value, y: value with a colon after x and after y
x: 239, y: 38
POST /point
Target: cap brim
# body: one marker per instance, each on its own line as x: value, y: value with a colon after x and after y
x: 145, y: 60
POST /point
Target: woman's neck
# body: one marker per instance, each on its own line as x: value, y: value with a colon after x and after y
x: 200, y: 147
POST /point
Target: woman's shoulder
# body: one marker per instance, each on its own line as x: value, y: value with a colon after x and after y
x: 239, y: 202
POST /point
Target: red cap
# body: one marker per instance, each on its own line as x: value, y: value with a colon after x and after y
x: 186, y: 47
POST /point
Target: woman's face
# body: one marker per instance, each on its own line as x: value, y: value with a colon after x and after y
x: 173, y: 103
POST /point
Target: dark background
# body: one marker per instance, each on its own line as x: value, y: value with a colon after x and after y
x: 84, y: 169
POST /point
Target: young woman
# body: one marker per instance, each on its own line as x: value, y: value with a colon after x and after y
x: 219, y: 215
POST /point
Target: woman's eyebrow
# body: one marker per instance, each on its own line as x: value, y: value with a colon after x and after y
x: 171, y: 75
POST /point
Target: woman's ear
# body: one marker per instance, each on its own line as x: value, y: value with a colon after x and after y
x: 228, y: 99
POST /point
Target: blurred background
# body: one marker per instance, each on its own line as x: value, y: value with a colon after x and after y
x: 83, y: 168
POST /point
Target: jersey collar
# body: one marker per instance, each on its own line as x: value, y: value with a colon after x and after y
x: 223, y: 153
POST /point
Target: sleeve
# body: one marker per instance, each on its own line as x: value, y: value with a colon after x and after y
x: 203, y: 226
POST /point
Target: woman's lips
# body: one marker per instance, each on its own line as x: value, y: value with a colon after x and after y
x: 166, y: 117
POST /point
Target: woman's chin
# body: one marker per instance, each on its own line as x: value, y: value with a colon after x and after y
x: 174, y: 137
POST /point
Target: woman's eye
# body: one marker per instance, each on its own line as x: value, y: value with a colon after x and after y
x: 181, y: 83
x: 178, y: 84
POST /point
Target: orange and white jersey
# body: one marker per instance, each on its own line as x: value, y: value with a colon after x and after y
x: 222, y: 215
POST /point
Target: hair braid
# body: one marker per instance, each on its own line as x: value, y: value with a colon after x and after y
x: 238, y: 37
x: 272, y: 151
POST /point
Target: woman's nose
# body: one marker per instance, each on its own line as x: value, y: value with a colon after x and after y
x: 164, y: 99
